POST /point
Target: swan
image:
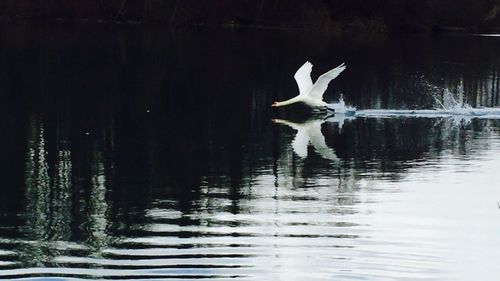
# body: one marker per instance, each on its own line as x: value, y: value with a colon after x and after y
x: 309, y: 93
x: 309, y: 132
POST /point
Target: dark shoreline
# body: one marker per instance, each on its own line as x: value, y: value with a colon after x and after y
x: 346, y: 27
x: 319, y: 16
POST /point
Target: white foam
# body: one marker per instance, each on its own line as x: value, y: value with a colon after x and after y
x: 449, y: 106
x: 341, y: 108
x: 485, y: 113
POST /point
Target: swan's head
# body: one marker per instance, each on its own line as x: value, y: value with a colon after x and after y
x: 275, y: 104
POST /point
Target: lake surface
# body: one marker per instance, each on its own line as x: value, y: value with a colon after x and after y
x: 137, y: 152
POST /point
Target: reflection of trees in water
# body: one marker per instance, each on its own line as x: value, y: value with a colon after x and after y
x: 471, y: 62
x: 397, y: 73
x: 50, y: 196
x: 37, y: 193
x: 481, y: 91
x: 419, y: 92
x: 97, y: 206
x: 487, y: 90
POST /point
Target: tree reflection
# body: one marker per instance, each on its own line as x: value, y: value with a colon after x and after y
x: 50, y: 197
x: 48, y: 209
x: 98, y: 206
x: 38, y: 209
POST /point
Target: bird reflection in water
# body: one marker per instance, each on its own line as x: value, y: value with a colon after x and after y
x: 309, y: 132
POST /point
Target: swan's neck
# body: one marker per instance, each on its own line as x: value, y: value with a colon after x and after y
x: 287, y: 102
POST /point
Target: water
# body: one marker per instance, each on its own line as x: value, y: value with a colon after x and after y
x: 134, y: 152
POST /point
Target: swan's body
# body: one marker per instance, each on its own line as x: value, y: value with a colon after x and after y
x: 309, y: 93
x: 309, y: 132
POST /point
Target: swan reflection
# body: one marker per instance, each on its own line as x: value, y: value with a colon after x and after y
x: 309, y: 132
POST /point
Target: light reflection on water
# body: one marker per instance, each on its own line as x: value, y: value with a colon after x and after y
x: 434, y: 220
x: 137, y: 188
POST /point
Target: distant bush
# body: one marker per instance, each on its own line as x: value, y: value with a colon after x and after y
x: 323, y: 15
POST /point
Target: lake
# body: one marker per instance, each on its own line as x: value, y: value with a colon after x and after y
x: 140, y: 152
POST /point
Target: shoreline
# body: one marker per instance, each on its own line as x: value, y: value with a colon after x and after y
x: 345, y: 27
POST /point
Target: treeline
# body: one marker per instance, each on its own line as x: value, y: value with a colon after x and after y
x: 333, y: 15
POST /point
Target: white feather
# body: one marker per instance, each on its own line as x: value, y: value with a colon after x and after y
x: 303, y: 78
x: 320, y: 86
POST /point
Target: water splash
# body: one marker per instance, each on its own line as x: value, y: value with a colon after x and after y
x: 341, y: 108
x: 451, y: 105
x: 449, y: 102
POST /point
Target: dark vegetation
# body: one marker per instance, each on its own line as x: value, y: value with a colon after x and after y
x: 323, y: 15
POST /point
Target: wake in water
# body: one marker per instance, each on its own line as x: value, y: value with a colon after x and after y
x: 463, y: 113
x: 448, y: 107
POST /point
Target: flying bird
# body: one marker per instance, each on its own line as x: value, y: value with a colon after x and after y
x: 309, y: 93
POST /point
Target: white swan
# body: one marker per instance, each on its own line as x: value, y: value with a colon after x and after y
x: 309, y: 132
x: 309, y: 93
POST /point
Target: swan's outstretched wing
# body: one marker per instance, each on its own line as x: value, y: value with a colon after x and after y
x: 321, y: 84
x: 303, y: 78
x: 294, y: 125
x: 300, y: 143
x: 301, y: 140
x: 318, y: 141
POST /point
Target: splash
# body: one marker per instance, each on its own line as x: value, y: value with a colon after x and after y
x: 448, y: 106
x: 450, y: 103
x: 341, y: 108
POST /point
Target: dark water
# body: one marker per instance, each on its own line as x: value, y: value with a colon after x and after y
x: 143, y: 153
